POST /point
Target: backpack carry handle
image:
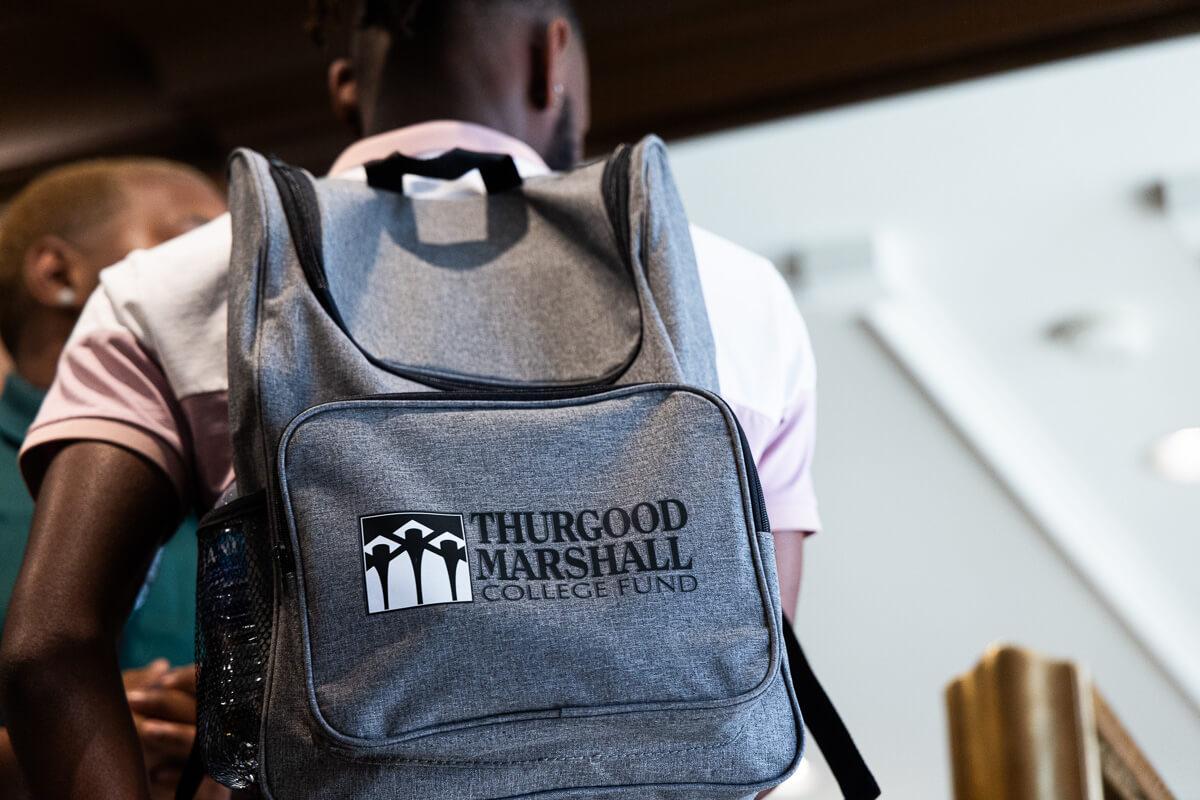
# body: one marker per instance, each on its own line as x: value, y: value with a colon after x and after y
x: 498, y: 170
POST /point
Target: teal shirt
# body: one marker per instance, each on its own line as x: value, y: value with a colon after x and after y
x: 18, y: 405
x: 163, y: 622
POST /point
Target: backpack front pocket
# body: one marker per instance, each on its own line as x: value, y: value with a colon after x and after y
x: 471, y: 560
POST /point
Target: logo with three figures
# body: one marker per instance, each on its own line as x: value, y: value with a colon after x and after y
x: 414, y: 558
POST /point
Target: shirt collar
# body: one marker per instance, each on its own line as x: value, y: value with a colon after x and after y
x: 427, y: 139
x: 19, y: 404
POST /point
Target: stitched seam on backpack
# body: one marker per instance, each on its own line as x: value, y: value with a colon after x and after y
x: 433, y: 762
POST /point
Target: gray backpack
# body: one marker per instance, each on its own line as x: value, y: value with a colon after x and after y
x: 496, y: 533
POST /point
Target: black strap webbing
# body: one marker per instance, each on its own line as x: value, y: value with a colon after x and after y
x: 498, y: 170
x: 193, y: 774
x: 823, y: 722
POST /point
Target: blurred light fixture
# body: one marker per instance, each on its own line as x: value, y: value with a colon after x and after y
x: 1176, y: 456
x: 1179, y: 197
x: 835, y: 272
x: 1115, y: 334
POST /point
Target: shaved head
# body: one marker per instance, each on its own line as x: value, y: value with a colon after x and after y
x: 68, y: 224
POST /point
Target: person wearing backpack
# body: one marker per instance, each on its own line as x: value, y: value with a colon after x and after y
x: 136, y: 427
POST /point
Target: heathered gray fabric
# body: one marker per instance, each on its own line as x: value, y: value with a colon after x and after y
x: 539, y: 293
x: 280, y: 337
x: 375, y: 457
x: 676, y: 692
x: 662, y: 247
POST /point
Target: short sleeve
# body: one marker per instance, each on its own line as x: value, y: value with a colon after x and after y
x: 767, y: 373
x: 786, y: 463
x: 108, y: 388
x: 785, y: 467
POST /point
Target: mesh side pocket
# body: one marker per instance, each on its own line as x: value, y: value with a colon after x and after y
x: 234, y: 594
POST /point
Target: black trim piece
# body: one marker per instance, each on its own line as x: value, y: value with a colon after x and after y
x: 498, y: 170
x: 234, y: 509
x: 193, y: 773
x: 302, y: 209
x: 821, y: 718
x: 304, y: 223
x: 757, y: 500
x: 281, y: 547
x: 614, y: 185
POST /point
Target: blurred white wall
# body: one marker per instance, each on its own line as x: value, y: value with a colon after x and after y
x: 1006, y: 203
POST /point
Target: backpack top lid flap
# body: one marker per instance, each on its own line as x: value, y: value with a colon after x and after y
x: 521, y: 287
x: 340, y: 289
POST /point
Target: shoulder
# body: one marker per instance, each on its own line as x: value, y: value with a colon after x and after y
x: 172, y: 300
x: 764, y: 358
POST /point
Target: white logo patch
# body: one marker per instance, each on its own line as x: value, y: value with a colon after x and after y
x: 414, y: 558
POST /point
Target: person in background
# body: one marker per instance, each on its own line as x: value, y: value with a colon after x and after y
x: 136, y: 425
x: 55, y: 237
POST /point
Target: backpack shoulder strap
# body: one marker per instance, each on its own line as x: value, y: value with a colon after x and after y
x: 193, y: 773
x: 822, y: 720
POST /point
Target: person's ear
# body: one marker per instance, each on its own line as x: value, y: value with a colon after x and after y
x: 546, y: 85
x: 57, y: 274
x: 343, y: 93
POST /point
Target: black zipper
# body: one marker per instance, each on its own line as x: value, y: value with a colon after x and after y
x: 615, y: 188
x: 282, y: 549
x: 499, y: 395
x: 234, y: 509
x: 758, y: 502
x: 304, y: 227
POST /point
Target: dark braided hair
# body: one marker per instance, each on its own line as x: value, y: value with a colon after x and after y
x: 331, y: 23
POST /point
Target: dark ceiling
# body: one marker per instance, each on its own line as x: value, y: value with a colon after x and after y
x: 195, y: 80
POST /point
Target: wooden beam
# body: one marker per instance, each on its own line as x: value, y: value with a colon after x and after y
x: 241, y: 76
x: 684, y: 67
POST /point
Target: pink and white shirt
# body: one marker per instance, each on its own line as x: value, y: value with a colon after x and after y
x: 145, y: 367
